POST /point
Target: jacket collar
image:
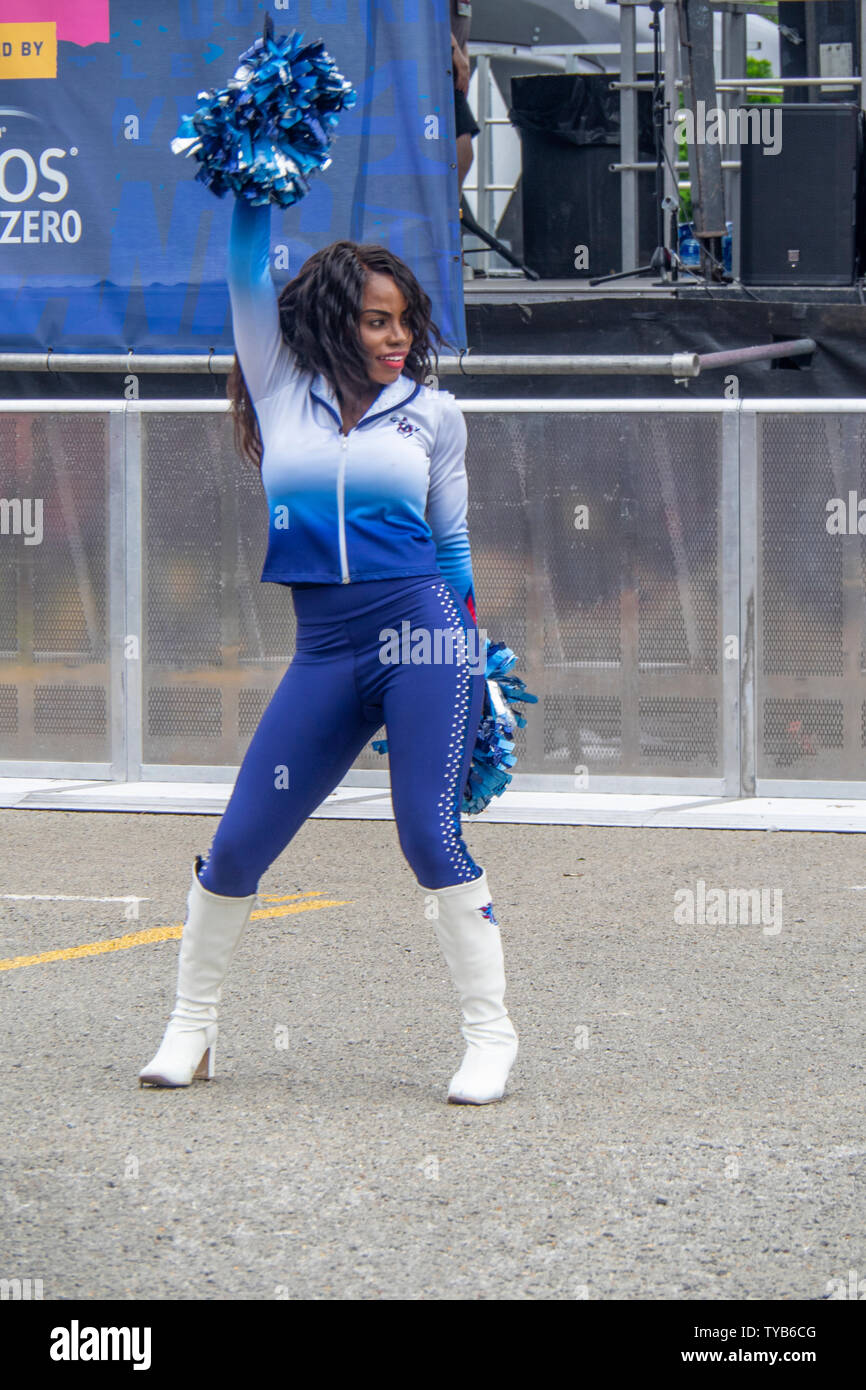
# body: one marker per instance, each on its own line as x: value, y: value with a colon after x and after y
x: 391, y: 396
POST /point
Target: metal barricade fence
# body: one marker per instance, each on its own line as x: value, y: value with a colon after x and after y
x: 679, y: 596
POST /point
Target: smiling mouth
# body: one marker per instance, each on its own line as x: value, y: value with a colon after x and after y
x: 396, y: 360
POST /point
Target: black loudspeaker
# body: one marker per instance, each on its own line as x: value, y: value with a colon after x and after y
x: 569, y: 132
x: 801, y: 208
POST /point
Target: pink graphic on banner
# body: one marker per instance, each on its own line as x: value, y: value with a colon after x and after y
x: 84, y: 22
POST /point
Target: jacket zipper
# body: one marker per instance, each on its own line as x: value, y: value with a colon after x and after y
x: 341, y: 508
x: 341, y: 472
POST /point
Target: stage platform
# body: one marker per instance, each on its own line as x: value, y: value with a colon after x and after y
x: 499, y: 288
x: 508, y: 314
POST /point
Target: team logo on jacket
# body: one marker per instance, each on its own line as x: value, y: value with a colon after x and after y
x: 487, y: 912
x: 403, y: 425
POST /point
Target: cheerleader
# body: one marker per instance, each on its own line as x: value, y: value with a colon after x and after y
x: 363, y: 467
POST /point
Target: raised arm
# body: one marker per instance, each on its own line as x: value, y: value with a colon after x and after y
x: 265, y: 358
x: 447, y: 501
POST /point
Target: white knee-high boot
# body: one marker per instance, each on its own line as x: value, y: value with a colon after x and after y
x: 468, y: 934
x: 213, y: 927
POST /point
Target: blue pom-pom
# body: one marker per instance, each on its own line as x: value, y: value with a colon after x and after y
x: 494, y: 746
x: 269, y: 129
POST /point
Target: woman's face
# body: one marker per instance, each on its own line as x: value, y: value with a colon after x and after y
x: 385, y: 334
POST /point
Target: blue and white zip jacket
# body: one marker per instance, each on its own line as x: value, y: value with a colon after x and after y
x: 389, y: 498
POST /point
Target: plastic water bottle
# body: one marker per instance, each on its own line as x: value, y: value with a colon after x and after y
x: 727, y: 243
x: 689, y: 248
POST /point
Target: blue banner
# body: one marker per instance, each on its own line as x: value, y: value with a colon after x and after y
x: 108, y: 241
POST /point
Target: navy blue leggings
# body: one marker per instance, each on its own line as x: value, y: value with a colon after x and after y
x: 334, y: 697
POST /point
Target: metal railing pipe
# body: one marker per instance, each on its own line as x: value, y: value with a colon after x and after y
x: 766, y: 84
x: 677, y: 364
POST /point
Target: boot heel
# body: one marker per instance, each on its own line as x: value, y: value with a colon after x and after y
x: 205, y: 1069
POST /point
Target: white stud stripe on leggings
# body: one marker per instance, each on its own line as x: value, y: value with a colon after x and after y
x: 455, y: 851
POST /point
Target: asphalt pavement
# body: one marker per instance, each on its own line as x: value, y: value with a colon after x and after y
x: 684, y: 1121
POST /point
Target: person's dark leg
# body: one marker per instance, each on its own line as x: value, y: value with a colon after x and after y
x: 310, y: 734
x: 432, y: 712
x: 465, y: 129
x: 465, y: 155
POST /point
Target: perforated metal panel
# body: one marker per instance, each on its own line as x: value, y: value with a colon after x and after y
x: 75, y: 711
x: 582, y: 732
x: 811, y: 609
x: 596, y: 548
x: 675, y: 730
x: 188, y: 712
x: 209, y: 624
x: 499, y: 467
x: 251, y: 706
x: 54, y: 657
x: 8, y: 709
x: 605, y: 550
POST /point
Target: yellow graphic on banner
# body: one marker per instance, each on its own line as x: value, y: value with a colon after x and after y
x: 28, y: 50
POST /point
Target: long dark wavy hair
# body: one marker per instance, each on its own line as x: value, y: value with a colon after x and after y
x: 320, y: 314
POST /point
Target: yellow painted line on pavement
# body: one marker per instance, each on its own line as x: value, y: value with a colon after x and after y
x: 280, y: 898
x: 143, y: 938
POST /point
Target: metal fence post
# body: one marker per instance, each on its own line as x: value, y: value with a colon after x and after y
x: 115, y: 547
x: 748, y: 529
x: 484, y: 172
x: 670, y: 59
x: 628, y: 137
x: 134, y: 637
x: 729, y: 614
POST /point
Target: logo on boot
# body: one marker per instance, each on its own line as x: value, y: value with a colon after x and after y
x: 487, y: 911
